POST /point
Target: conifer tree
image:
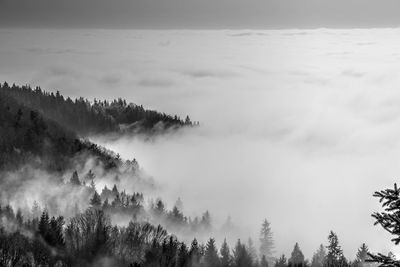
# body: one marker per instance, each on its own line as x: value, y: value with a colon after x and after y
x: 206, y: 220
x: 241, y: 256
x: 362, y: 256
x: 252, y: 250
x: 226, y: 259
x: 115, y: 190
x: 95, y: 201
x: 160, y: 207
x: 335, y: 257
x: 281, y: 262
x: 75, y: 179
x: 106, y: 204
x: 182, y: 257
x: 211, y: 258
x: 55, y: 237
x: 266, y: 241
x: 44, y: 224
x: 194, y: 253
x: 297, y: 257
x: 319, y: 257
x: 389, y: 219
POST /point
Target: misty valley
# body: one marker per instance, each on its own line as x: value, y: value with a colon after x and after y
x: 199, y: 133
x: 241, y: 146
x: 66, y: 201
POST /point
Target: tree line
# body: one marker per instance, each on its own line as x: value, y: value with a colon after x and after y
x: 89, y: 239
x: 98, y: 117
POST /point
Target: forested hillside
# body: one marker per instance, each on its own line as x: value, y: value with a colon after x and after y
x: 97, y: 117
x: 26, y: 136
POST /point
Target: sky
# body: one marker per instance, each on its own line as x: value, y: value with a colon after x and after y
x: 204, y: 14
x: 297, y: 126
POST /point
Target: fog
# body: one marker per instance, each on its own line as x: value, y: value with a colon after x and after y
x: 31, y: 186
x: 297, y: 126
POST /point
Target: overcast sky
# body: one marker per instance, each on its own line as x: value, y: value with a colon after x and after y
x: 200, y: 13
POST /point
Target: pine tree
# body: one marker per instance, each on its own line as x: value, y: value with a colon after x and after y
x: 266, y: 241
x: 75, y: 179
x: 226, y: 259
x: 211, y: 258
x: 44, y: 224
x: 252, y: 250
x: 95, y: 201
x: 117, y: 203
x: 115, y: 190
x: 206, y: 220
x: 362, y: 256
x: 319, y: 257
x: 183, y: 255
x: 241, y: 256
x: 281, y: 262
x: 55, y: 237
x: 389, y: 219
x: 297, y: 257
x: 159, y: 208
x: 194, y: 253
x: 335, y: 256
x: 106, y: 205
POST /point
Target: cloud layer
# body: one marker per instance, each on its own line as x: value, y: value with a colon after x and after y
x: 298, y: 126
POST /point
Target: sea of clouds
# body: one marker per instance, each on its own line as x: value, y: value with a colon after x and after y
x: 297, y: 126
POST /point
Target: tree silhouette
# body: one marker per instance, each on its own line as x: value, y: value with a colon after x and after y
x: 297, y: 257
x: 211, y: 258
x: 362, y: 256
x: 241, y: 257
x: 389, y: 219
x: 75, y: 179
x: 266, y: 241
x: 226, y: 259
x: 281, y: 262
x: 335, y: 257
x: 319, y: 257
x: 95, y: 201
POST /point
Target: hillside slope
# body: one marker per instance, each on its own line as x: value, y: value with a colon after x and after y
x: 97, y: 117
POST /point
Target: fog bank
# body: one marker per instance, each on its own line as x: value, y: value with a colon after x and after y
x: 297, y: 126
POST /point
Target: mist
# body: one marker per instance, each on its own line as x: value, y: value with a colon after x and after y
x: 296, y: 126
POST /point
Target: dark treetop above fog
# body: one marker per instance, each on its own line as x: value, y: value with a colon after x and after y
x: 48, y: 126
x: 200, y: 14
x: 99, y: 117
